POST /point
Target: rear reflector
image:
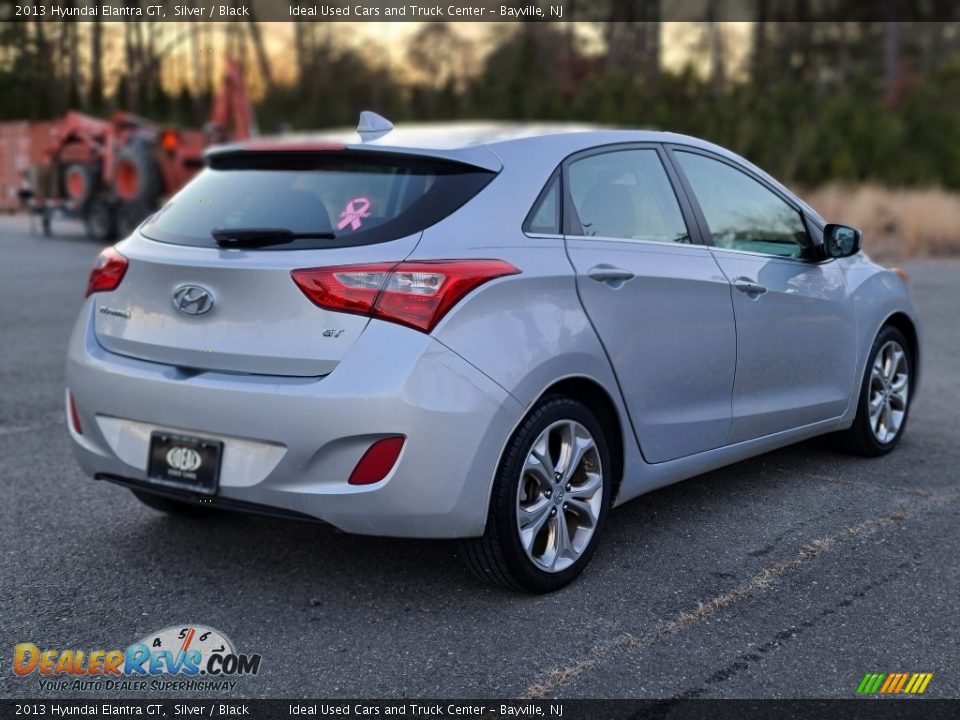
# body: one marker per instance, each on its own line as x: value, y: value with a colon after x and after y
x: 377, y: 461
x: 415, y: 294
x: 107, y: 272
x: 74, y: 417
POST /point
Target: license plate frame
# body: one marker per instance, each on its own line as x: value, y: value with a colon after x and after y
x: 186, y: 462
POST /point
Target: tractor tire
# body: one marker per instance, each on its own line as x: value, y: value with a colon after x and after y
x: 137, y: 177
x: 80, y: 183
x: 130, y: 215
x: 100, y: 220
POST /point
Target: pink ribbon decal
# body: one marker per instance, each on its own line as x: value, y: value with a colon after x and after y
x: 355, y: 209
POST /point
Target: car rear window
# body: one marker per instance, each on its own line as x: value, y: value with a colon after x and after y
x: 359, y: 197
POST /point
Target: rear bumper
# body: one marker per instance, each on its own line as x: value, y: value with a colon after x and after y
x: 205, y: 501
x: 291, y: 443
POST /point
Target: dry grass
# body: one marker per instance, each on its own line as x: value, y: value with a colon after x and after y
x: 896, y: 223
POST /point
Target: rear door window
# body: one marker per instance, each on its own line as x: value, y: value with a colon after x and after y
x: 625, y: 194
x: 359, y: 198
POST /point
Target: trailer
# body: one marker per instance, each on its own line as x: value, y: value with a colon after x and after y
x: 23, y: 150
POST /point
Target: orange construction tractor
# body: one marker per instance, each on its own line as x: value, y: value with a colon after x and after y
x: 113, y: 173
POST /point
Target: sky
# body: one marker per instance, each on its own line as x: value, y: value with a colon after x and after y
x: 391, y: 41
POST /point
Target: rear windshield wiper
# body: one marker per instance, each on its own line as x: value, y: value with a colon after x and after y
x: 262, y: 237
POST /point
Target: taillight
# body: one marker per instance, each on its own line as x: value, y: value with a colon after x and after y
x: 416, y: 294
x: 107, y: 272
x: 377, y: 461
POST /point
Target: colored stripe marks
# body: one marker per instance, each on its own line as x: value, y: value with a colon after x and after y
x: 894, y: 683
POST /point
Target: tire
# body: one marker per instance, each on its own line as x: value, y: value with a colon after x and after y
x: 535, y: 563
x: 129, y: 217
x: 79, y: 182
x: 170, y: 506
x: 868, y: 436
x: 100, y: 221
x: 137, y: 178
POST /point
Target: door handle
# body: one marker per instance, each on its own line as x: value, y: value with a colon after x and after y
x: 609, y: 274
x: 748, y: 286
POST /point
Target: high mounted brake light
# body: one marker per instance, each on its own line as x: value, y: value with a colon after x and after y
x: 415, y: 294
x: 108, y: 271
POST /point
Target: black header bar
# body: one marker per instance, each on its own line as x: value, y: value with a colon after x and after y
x: 476, y: 11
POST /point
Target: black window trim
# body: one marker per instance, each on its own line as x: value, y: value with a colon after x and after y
x: 559, y: 174
x: 555, y: 177
x: 570, y: 223
x: 813, y: 229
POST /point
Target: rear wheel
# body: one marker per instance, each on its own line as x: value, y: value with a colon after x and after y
x: 884, y: 398
x: 100, y: 221
x: 129, y: 217
x: 79, y: 182
x: 171, y: 506
x: 549, y: 501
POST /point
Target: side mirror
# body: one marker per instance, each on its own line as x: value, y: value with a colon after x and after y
x: 840, y: 241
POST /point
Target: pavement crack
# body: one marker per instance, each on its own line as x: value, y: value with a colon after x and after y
x: 17, y: 429
x: 745, y: 660
x: 706, y: 609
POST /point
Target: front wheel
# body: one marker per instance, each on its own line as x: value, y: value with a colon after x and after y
x: 884, y: 398
x: 549, y: 501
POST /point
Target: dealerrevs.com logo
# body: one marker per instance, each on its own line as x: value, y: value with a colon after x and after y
x: 177, y: 658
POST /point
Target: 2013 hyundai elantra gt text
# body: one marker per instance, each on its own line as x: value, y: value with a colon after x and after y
x: 491, y: 334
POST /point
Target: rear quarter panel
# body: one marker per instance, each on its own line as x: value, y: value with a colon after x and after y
x: 526, y: 331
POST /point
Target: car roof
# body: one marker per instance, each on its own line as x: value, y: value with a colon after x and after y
x: 489, y: 144
x: 484, y: 144
x: 464, y: 135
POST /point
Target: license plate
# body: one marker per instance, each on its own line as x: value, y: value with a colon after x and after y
x: 186, y: 462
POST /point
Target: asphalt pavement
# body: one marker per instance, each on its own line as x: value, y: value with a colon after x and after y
x: 789, y: 575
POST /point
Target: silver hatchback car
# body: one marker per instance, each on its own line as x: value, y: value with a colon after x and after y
x: 486, y: 333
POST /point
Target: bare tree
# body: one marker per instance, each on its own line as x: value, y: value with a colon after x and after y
x: 130, y: 55
x: 96, y: 64
x: 47, y: 71
x: 439, y: 54
x: 891, y: 60
x: 758, y: 53
x: 632, y: 35
x: 262, y: 60
x: 198, y: 76
x: 718, y: 68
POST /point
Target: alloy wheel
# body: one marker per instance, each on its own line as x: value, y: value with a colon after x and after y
x: 559, y: 496
x: 889, y: 388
